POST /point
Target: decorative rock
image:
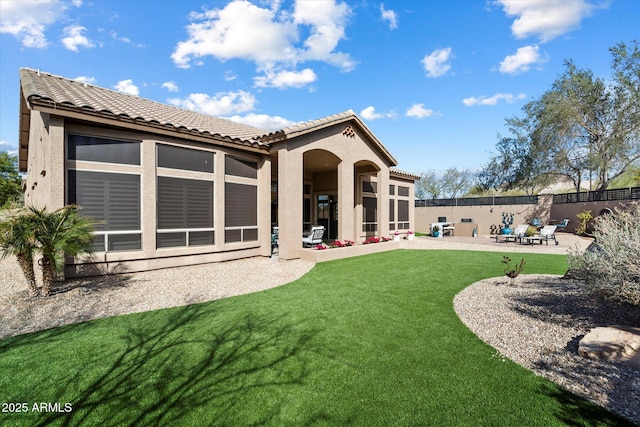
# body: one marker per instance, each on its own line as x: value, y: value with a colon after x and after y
x: 612, y: 343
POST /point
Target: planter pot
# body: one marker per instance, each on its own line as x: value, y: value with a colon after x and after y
x: 436, y: 234
x: 410, y: 236
x: 396, y: 237
x: 506, y: 230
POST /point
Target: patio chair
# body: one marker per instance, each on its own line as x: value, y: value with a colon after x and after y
x: 563, y: 225
x: 519, y: 233
x: 547, y: 233
x: 314, y: 237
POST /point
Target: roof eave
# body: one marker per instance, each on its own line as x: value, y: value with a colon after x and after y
x: 47, y: 106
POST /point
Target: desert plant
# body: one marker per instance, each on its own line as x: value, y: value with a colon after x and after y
x: 17, y: 237
x: 610, y: 266
x: 531, y: 230
x: 584, y: 218
x: 58, y: 233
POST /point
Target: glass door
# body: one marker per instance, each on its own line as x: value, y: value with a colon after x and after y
x: 327, y: 214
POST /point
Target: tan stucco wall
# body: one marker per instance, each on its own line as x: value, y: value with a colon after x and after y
x: 350, y: 150
x: 47, y: 167
x: 484, y: 216
x: 45, y: 180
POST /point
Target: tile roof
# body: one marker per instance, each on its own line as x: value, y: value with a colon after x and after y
x: 403, y: 174
x: 47, y: 89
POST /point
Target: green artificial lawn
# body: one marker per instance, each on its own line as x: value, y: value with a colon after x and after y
x: 366, y: 341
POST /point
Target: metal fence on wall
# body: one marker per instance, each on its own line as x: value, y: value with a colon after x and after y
x: 479, y: 201
x: 632, y: 193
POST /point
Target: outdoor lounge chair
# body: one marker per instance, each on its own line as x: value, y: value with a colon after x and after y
x: 547, y: 233
x: 519, y: 233
x: 314, y: 237
x: 563, y: 225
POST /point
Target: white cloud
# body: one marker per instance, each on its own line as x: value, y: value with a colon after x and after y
x: 547, y: 19
x: 285, y: 79
x: 230, y: 76
x: 73, y: 38
x: 493, y: 100
x: 418, y: 111
x: 262, y: 121
x: 220, y: 104
x: 127, y: 86
x: 269, y: 37
x: 124, y: 39
x: 85, y: 79
x: 370, y: 114
x: 389, y: 15
x: 170, y: 86
x: 28, y: 20
x: 436, y: 63
x: 10, y: 148
x: 522, y: 60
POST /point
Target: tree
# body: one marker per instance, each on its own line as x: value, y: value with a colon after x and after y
x: 448, y: 184
x: 10, y: 179
x: 455, y: 182
x: 58, y: 233
x: 428, y: 186
x: 582, y: 125
x: 17, y: 237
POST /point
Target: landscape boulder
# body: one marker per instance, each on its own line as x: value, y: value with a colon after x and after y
x: 613, y: 344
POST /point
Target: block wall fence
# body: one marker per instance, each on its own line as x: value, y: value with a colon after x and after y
x: 488, y: 217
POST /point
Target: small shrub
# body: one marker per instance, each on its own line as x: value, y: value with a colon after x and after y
x: 584, y: 218
x: 531, y: 230
x: 610, y: 266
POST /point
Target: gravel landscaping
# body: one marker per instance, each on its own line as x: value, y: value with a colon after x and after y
x: 537, y: 322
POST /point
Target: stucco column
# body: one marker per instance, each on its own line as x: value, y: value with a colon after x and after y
x: 148, y: 198
x: 346, y: 211
x: 218, y: 202
x: 290, y: 186
x: 56, y: 164
x: 264, y: 206
x: 383, y: 202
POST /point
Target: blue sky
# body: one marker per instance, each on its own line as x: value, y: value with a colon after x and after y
x: 433, y: 80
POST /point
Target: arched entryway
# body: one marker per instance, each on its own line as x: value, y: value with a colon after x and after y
x: 321, y: 192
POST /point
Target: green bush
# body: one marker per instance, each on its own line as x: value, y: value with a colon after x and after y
x: 610, y: 266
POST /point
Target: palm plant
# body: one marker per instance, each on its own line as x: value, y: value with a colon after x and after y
x: 58, y: 233
x: 17, y: 237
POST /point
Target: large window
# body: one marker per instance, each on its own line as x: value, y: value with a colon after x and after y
x: 240, y: 167
x: 240, y: 212
x: 403, y: 214
x: 113, y: 200
x: 184, y: 158
x: 392, y: 214
x: 369, y: 214
x: 104, y: 150
x: 184, y: 212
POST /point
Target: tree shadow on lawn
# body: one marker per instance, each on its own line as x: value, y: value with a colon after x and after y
x: 195, y: 366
